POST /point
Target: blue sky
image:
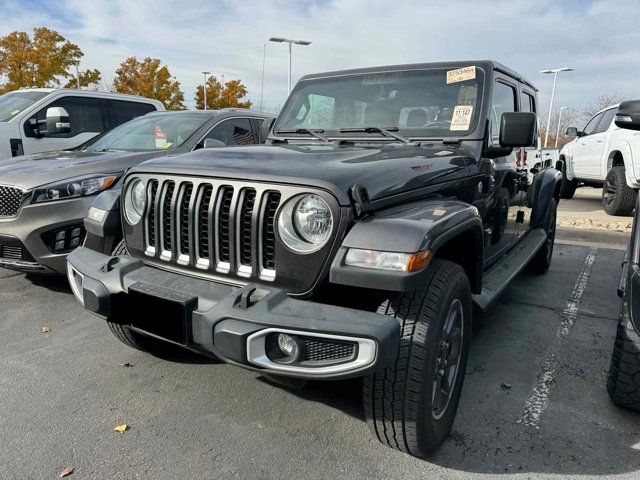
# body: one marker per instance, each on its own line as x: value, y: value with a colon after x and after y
x: 599, y: 38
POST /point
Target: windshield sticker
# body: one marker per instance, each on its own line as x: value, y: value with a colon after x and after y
x: 461, y: 74
x: 14, y: 112
x: 381, y: 79
x: 461, y: 117
x: 161, y: 138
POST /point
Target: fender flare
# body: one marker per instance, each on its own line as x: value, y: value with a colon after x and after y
x: 546, y: 186
x: 102, y: 236
x: 423, y: 225
x: 623, y: 146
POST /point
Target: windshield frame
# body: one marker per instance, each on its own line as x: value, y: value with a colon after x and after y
x: 477, y: 133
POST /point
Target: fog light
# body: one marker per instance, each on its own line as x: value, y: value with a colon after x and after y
x: 59, y: 245
x: 60, y: 235
x: 288, y: 345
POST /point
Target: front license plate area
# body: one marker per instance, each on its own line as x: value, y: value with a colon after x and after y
x: 155, y: 310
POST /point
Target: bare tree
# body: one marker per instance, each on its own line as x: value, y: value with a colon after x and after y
x: 569, y: 119
x: 599, y: 103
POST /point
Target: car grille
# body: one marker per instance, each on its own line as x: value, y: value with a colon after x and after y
x: 13, y: 249
x: 10, y: 201
x: 319, y: 350
x: 213, y: 226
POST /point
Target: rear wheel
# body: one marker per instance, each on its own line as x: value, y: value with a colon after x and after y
x: 411, y: 405
x: 617, y: 198
x: 623, y: 381
x: 542, y: 260
x: 567, y: 187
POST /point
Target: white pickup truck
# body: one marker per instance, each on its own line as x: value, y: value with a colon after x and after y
x: 601, y: 155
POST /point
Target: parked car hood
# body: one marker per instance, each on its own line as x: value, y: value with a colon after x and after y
x: 29, y: 171
x: 383, y: 170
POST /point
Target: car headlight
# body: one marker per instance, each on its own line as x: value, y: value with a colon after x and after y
x: 135, y: 199
x: 305, y: 223
x: 72, y: 188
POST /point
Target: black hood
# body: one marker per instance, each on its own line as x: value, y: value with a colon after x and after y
x: 29, y: 171
x: 383, y: 170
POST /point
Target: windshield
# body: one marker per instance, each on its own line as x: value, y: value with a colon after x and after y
x: 13, y: 103
x: 153, y: 132
x: 420, y: 103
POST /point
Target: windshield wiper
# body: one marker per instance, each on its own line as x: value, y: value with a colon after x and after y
x: 387, y: 132
x: 314, y: 133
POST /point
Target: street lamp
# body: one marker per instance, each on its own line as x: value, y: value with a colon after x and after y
x: 555, y: 72
x: 204, y: 89
x: 558, y: 129
x: 290, y: 42
x: 264, y: 56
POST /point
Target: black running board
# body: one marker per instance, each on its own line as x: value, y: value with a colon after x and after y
x: 500, y: 276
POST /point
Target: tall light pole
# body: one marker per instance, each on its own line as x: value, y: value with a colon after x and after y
x: 77, y: 64
x: 204, y: 89
x: 558, y: 129
x: 555, y: 72
x: 290, y: 42
x: 264, y: 56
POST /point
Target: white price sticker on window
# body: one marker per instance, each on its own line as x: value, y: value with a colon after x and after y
x: 461, y: 117
x: 461, y: 74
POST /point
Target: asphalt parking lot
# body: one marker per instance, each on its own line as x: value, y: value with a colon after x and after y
x: 534, y: 402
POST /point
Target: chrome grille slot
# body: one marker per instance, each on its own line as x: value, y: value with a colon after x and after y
x: 223, y: 228
x: 270, y: 203
x: 166, y: 222
x: 244, y: 230
x: 203, y: 226
x: 184, y: 202
x: 151, y: 216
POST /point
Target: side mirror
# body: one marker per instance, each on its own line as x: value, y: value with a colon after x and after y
x: 265, y: 128
x: 571, y: 131
x: 57, y: 121
x: 628, y: 115
x: 518, y: 129
x: 213, y: 143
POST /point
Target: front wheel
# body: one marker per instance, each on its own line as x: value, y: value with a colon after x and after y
x: 567, y: 187
x: 623, y: 381
x: 541, y: 262
x: 617, y: 197
x: 411, y: 405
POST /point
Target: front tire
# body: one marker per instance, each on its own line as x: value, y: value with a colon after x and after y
x: 411, y: 405
x: 623, y: 381
x: 617, y: 198
x: 541, y: 262
x: 567, y: 187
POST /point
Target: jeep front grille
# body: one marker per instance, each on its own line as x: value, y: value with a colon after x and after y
x: 212, y: 226
x: 10, y: 201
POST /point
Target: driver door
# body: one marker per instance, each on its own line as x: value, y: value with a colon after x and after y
x: 583, y: 156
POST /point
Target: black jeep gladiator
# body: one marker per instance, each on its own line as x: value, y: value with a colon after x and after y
x: 389, y: 205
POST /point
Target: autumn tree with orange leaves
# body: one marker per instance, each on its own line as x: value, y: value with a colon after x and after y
x: 219, y: 96
x: 149, y: 78
x: 43, y: 59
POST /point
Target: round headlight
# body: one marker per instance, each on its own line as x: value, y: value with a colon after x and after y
x: 135, y: 201
x: 305, y: 223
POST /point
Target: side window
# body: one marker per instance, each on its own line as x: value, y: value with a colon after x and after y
x: 504, y: 100
x: 126, y: 111
x: 527, y: 103
x: 606, y: 120
x: 235, y: 131
x: 85, y: 115
x: 593, y: 123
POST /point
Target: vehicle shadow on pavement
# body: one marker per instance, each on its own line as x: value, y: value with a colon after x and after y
x: 55, y: 283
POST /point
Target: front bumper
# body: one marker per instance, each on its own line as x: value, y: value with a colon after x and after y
x: 233, y: 322
x: 28, y: 227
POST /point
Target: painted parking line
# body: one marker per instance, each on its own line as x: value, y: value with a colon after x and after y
x: 539, y: 399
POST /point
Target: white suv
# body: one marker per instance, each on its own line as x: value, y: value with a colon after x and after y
x: 601, y: 155
x: 34, y: 120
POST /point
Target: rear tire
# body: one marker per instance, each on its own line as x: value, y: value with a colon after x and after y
x: 623, y: 381
x: 405, y: 405
x: 541, y: 262
x: 567, y: 187
x: 617, y: 198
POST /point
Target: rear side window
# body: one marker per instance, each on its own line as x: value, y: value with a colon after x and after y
x: 606, y: 120
x: 504, y: 100
x: 85, y: 115
x: 235, y: 131
x: 126, y: 111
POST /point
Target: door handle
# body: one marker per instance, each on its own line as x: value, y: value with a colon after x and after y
x: 599, y: 141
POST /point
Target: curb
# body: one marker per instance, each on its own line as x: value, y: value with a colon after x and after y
x: 597, y: 238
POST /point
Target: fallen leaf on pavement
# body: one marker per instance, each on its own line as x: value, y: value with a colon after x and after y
x: 121, y: 428
x: 66, y: 472
x: 45, y: 330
